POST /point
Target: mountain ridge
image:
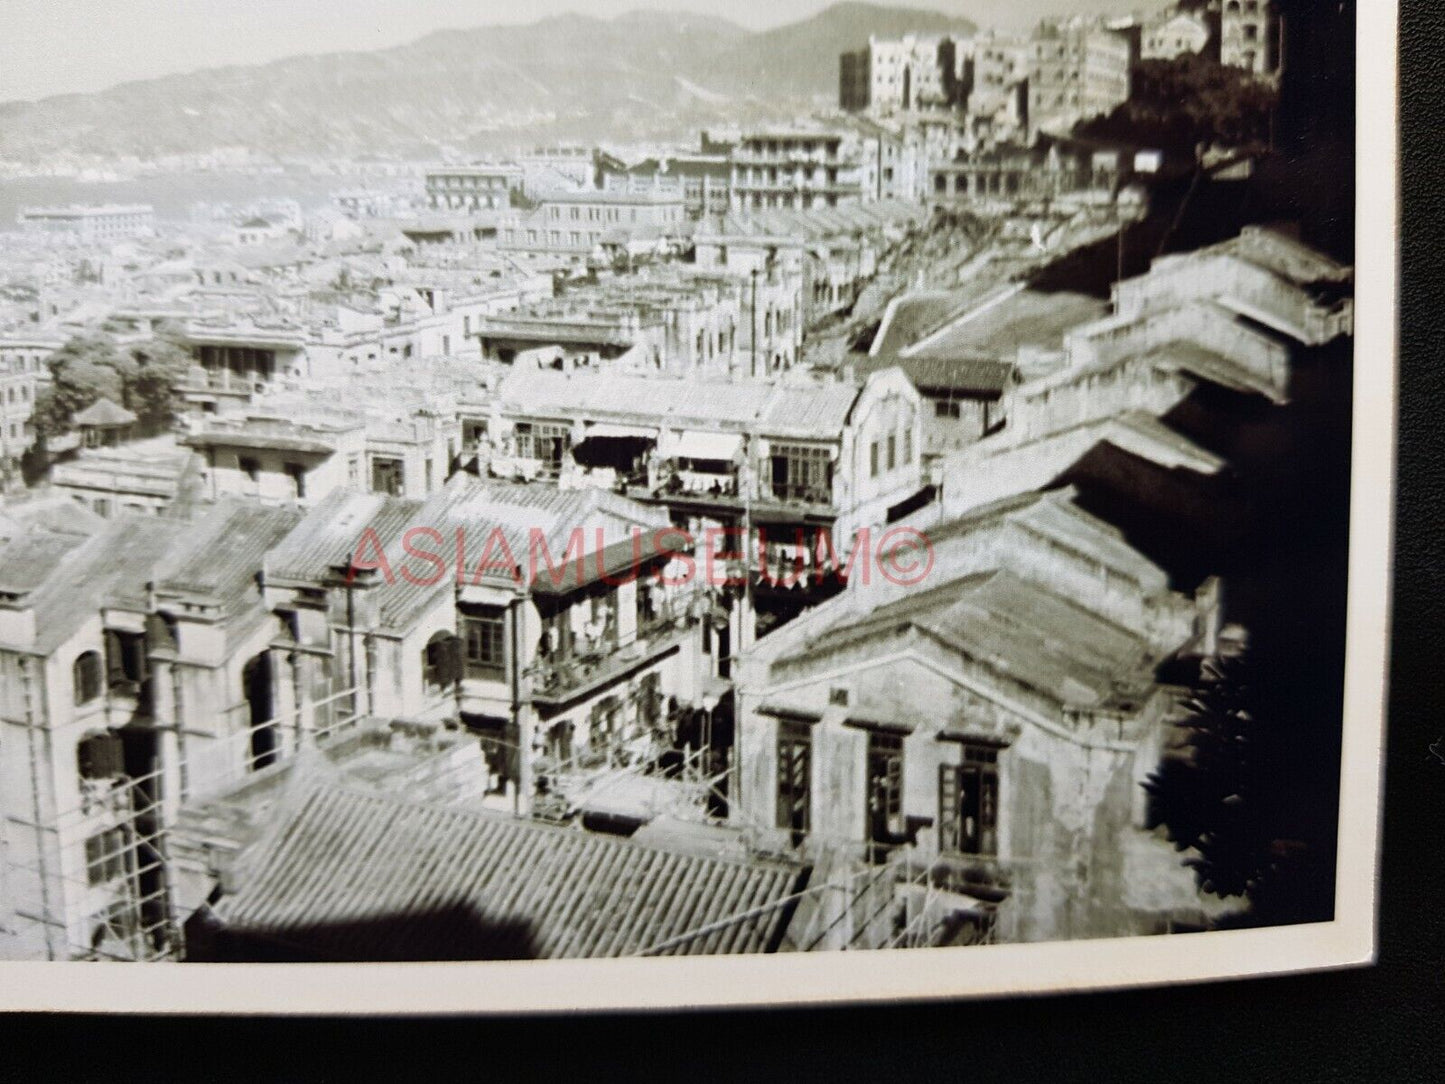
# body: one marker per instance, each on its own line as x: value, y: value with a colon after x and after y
x: 647, y: 75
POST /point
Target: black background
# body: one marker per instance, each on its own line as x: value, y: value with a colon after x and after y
x: 1380, y: 1023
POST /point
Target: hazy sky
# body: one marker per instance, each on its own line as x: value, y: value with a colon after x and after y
x: 61, y: 46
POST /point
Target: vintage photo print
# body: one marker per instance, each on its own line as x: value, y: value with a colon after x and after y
x: 543, y: 506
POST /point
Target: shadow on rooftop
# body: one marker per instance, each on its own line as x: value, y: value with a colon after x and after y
x: 448, y: 932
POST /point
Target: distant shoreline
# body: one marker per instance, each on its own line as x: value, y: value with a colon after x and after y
x: 172, y: 194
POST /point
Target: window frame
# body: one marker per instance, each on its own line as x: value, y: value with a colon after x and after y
x: 484, y: 643
x: 980, y: 762
x: 795, y: 784
x: 87, y: 685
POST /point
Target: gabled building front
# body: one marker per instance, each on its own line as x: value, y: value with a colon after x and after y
x: 556, y: 627
x: 127, y: 682
x: 983, y: 732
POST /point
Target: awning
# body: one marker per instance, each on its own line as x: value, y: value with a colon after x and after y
x: 791, y: 713
x: 698, y: 445
x: 607, y: 429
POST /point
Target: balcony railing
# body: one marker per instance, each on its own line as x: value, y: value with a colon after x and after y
x: 803, y: 494
x: 223, y: 381
x: 603, y: 659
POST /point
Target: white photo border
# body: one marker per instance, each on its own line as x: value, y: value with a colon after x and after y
x: 670, y: 983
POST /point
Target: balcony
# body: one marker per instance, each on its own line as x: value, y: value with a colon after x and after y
x: 605, y: 661
x: 802, y: 494
x: 221, y: 382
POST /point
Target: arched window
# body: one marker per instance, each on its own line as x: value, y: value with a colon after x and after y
x: 440, y: 662
x: 86, y: 676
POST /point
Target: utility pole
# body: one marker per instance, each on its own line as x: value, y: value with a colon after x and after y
x: 1119, y: 264
x: 754, y: 372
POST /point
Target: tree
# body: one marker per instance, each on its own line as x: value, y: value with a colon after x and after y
x: 161, y: 364
x: 1233, y: 803
x: 93, y: 367
x: 85, y: 369
x: 1177, y: 104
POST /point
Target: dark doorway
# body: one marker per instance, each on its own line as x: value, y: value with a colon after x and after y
x: 256, y: 684
x: 387, y: 476
x: 885, y: 793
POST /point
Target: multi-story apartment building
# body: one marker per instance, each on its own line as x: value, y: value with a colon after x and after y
x: 548, y: 170
x: 290, y: 453
x: 23, y: 374
x: 472, y: 188
x: 1055, y: 73
x: 124, y: 677
x: 1175, y: 34
x: 901, y: 728
x: 541, y: 623
x: 892, y: 75
x: 998, y: 98
x: 854, y: 81
x: 1077, y: 69
x: 1248, y: 36
x: 670, y: 319
x: 804, y: 168
x: 791, y: 461
x: 1109, y: 59
x: 238, y: 358
x: 573, y: 226
x: 701, y: 179
x: 150, y: 476
x: 933, y: 729
x: 89, y: 225
x: 160, y: 663
x: 1048, y: 169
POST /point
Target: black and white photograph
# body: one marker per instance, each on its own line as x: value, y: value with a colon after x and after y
x: 485, y: 484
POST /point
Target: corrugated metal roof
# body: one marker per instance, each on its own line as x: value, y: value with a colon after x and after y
x: 356, y: 876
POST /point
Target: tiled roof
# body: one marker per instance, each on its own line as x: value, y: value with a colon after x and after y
x: 332, y: 534
x: 1028, y: 318
x: 54, y: 512
x: 1214, y: 367
x: 1054, y: 516
x: 609, y: 195
x: 771, y: 409
x: 29, y: 558
x: 820, y: 223
x: 111, y: 568
x: 1283, y: 255
x: 356, y: 876
x: 104, y: 412
x: 981, y: 377
x: 219, y: 555
x: 1021, y: 631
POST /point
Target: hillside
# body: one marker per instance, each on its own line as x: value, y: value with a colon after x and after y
x: 643, y: 74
